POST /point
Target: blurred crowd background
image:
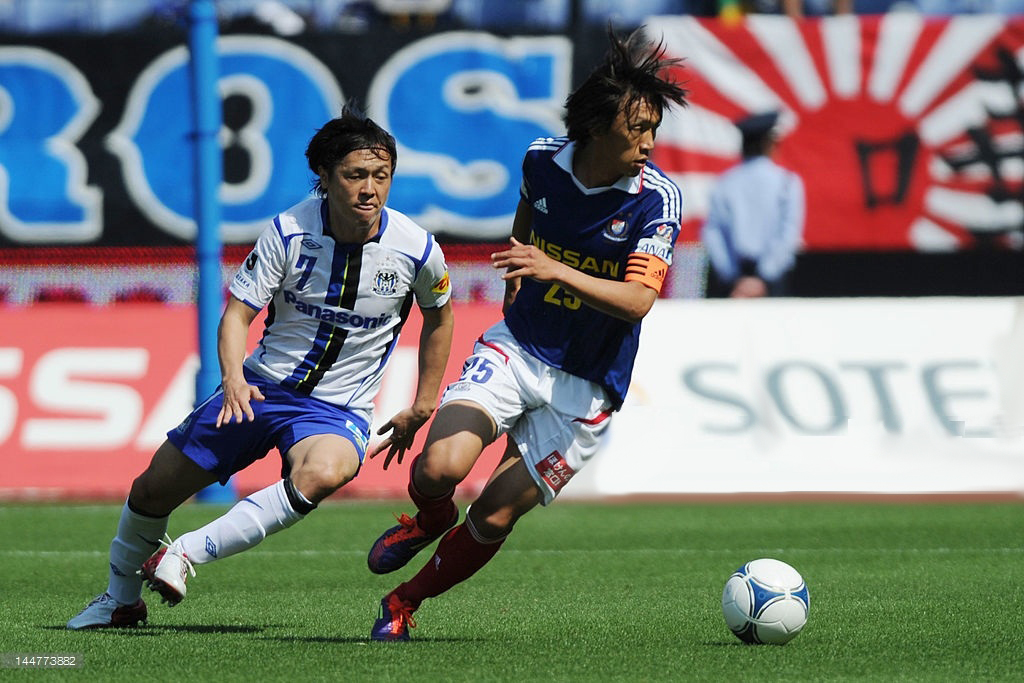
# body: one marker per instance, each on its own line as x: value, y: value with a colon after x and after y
x: 290, y: 17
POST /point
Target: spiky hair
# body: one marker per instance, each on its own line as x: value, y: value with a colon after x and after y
x: 634, y: 70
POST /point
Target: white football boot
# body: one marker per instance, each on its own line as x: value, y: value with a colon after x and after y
x: 167, y: 570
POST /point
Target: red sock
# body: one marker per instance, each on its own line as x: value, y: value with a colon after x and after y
x: 435, y: 514
x: 458, y: 556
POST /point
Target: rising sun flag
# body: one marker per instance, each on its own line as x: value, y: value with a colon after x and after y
x: 908, y: 131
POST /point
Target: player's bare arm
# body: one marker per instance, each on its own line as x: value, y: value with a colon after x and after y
x: 629, y: 301
x: 435, y: 346
x: 231, y: 347
x: 520, y: 231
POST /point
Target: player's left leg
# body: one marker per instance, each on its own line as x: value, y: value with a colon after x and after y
x: 170, y: 479
x: 510, y: 493
x: 320, y: 465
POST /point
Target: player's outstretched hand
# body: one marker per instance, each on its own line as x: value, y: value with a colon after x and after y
x: 403, y: 428
x: 237, y: 397
x: 525, y: 260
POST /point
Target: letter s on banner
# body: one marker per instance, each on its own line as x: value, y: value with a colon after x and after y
x: 694, y: 381
x: 463, y: 106
x: 10, y: 366
x: 55, y: 385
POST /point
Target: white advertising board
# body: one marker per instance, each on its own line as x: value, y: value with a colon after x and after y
x: 821, y: 395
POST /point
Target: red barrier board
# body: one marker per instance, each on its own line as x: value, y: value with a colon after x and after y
x: 87, y: 394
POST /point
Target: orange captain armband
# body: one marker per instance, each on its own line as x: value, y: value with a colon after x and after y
x: 646, y: 268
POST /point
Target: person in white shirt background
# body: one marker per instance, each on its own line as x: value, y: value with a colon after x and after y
x: 755, y: 222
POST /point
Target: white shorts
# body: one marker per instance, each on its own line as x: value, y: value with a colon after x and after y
x: 554, y: 418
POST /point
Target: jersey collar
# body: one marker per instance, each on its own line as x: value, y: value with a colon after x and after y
x: 563, y: 158
x: 325, y: 219
x: 383, y: 225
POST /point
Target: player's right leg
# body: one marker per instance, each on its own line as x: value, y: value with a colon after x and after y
x: 170, y: 479
x: 456, y: 438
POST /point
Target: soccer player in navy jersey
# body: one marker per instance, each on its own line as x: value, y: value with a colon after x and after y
x: 592, y: 241
x: 339, y: 273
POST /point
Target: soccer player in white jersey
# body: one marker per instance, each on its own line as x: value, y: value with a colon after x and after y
x: 339, y: 273
x: 592, y: 241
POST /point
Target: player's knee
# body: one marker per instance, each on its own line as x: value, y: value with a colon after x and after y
x: 321, y: 477
x: 442, y: 465
x: 432, y: 467
x: 492, y: 524
x: 145, y: 496
x: 501, y: 505
x: 324, y: 481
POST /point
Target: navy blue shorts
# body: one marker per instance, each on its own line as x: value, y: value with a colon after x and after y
x: 284, y: 418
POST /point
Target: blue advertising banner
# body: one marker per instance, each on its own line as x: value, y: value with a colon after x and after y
x: 94, y: 129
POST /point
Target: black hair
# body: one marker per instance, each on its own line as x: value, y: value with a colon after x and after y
x: 351, y: 131
x: 757, y: 144
x: 630, y: 73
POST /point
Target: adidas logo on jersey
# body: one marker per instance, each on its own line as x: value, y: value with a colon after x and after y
x: 541, y: 205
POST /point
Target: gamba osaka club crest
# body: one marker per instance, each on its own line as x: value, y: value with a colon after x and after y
x: 385, y: 282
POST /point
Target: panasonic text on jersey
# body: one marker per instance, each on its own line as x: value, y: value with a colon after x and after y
x: 335, y: 316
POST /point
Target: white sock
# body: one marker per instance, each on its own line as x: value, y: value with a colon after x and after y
x: 138, y: 537
x: 246, y: 524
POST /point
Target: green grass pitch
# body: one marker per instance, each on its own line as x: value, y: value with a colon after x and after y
x: 581, y: 592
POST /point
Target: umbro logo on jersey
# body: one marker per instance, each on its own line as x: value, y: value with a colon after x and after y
x: 311, y: 244
x: 541, y: 205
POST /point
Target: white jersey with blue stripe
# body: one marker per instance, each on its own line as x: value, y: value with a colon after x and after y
x: 336, y: 310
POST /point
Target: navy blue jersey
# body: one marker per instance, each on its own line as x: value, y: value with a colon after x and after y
x: 593, y: 230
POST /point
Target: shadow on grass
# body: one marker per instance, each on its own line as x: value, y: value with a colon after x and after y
x: 343, y: 639
x: 150, y: 630
x: 161, y: 629
x: 726, y: 643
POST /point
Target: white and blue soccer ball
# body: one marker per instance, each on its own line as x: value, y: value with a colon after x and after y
x: 766, y: 601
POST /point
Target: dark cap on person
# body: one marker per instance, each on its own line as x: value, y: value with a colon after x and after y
x: 757, y: 125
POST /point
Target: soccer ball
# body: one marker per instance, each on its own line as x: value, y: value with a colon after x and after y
x: 765, y: 601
